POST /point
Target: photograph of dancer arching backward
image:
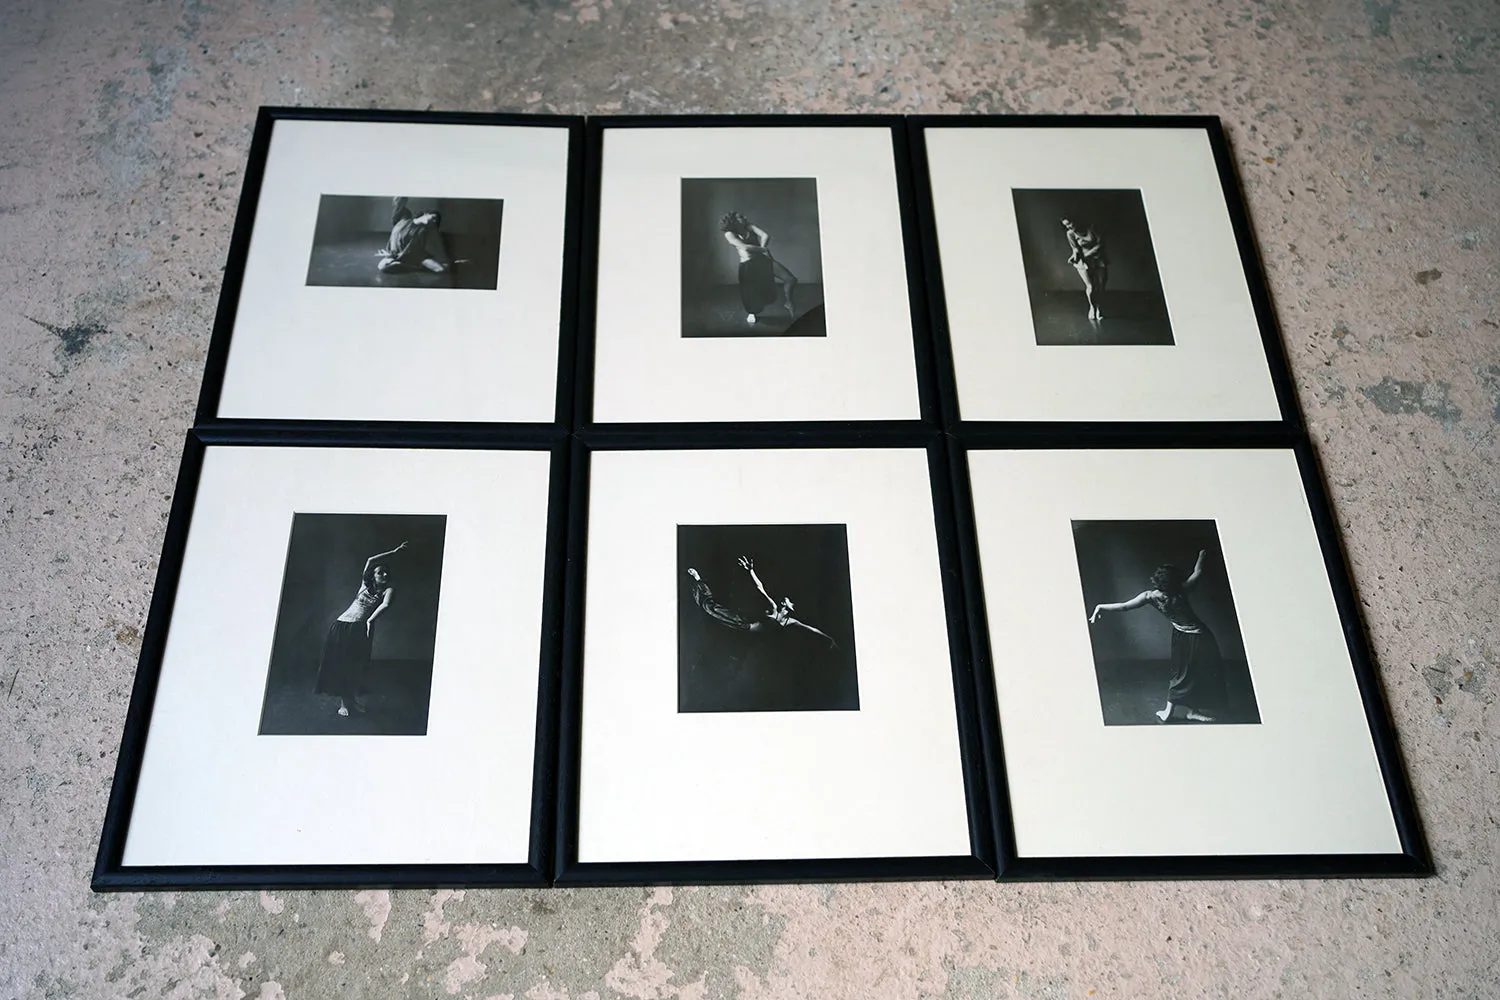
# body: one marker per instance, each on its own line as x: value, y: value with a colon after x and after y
x: 751, y: 258
x: 1161, y: 619
x: 1090, y: 267
x: 356, y: 627
x: 765, y: 619
x: 402, y: 242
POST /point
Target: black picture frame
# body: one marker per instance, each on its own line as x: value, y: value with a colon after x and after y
x: 572, y: 437
x: 569, y: 871
x: 1413, y: 860
x: 111, y: 874
x: 908, y: 200
x: 1212, y: 127
x: 216, y: 363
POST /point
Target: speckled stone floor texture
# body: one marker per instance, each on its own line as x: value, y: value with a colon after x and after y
x: 1366, y: 135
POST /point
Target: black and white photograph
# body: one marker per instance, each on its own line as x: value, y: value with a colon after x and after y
x: 406, y: 242
x: 751, y: 258
x: 1090, y: 267
x: 765, y: 619
x: 1162, y: 624
x: 356, y: 626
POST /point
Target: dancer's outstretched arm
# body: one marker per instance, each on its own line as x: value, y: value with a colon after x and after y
x: 1139, y: 600
x: 818, y: 631
x: 748, y: 565
x: 1197, y: 572
x: 381, y: 557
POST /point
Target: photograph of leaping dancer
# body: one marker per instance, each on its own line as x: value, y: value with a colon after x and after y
x: 744, y: 643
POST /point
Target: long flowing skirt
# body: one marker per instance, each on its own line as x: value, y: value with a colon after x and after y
x: 1197, y: 671
x: 757, y: 283
x: 346, y: 660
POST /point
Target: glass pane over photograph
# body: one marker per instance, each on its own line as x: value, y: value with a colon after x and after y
x: 403, y: 271
x: 1169, y: 658
x: 752, y: 274
x: 352, y: 665
x: 766, y: 671
x: 1093, y: 274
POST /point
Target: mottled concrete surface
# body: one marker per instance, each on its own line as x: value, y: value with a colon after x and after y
x: 1366, y: 134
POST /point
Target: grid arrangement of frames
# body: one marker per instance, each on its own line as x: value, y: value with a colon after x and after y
x: 737, y: 499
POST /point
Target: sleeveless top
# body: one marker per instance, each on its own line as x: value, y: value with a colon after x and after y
x: 365, y: 603
x: 1177, y: 611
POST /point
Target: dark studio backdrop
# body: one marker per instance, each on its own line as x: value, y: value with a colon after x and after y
x: 1132, y: 649
x: 787, y: 209
x: 721, y: 669
x: 326, y: 555
x: 351, y: 229
x: 1134, y: 306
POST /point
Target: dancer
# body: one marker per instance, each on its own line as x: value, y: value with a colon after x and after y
x: 346, y: 648
x: 759, y: 271
x: 1197, y: 684
x: 704, y: 598
x: 1090, y: 261
x: 415, y: 241
x: 780, y: 613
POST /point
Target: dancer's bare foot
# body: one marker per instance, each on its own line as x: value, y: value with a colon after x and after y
x: 1192, y: 715
x: 750, y: 317
x: 343, y: 709
x: 1165, y: 713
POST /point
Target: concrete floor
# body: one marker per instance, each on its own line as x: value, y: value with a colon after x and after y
x: 1366, y: 134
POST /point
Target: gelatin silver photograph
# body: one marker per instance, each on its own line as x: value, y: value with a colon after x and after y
x: 356, y: 626
x: 404, y: 242
x: 765, y: 619
x: 751, y: 258
x: 1090, y: 268
x: 1162, y: 623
